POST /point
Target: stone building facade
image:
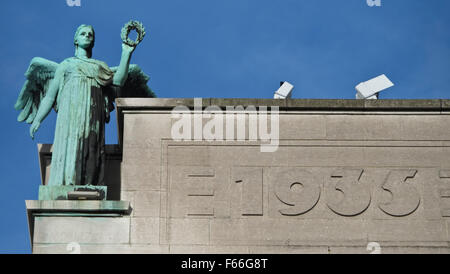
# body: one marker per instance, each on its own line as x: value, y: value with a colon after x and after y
x: 346, y: 175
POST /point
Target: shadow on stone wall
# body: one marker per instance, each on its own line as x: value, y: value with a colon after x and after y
x: 112, y: 169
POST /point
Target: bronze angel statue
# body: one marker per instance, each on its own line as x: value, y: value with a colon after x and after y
x: 82, y: 91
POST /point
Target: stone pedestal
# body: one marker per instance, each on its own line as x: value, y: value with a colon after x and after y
x: 61, y: 226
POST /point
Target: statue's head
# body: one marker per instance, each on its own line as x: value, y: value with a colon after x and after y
x: 85, y: 38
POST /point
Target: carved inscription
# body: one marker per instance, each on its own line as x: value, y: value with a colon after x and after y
x: 355, y: 195
x: 251, y: 181
x: 200, y: 188
x: 298, y: 189
x: 199, y: 192
x: 405, y: 197
x: 444, y: 193
x: 205, y: 191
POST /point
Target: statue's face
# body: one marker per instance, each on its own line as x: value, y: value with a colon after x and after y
x: 85, y: 38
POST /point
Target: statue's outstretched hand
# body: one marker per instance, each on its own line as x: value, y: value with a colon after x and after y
x: 34, y: 127
x: 127, y: 48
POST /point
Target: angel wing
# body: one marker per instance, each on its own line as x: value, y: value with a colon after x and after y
x: 136, y: 83
x: 39, y: 75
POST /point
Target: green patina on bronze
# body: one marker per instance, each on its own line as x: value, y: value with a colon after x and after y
x: 53, y: 193
x: 82, y: 91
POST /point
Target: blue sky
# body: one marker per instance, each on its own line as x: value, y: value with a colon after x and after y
x: 218, y: 48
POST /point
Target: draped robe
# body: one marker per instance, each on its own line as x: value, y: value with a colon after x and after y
x: 78, y: 156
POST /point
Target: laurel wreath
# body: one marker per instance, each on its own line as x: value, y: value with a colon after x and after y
x: 133, y: 25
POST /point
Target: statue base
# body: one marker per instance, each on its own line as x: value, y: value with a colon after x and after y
x: 56, y: 226
x: 72, y: 192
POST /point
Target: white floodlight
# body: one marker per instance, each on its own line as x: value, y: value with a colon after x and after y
x: 284, y: 92
x: 371, y: 88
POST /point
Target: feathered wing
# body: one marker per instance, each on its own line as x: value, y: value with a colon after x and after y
x: 136, y: 83
x: 39, y: 75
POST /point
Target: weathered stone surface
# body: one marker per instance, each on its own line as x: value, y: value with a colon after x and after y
x: 254, y: 231
x: 100, y: 230
x: 386, y: 249
x: 207, y: 249
x: 144, y: 230
x: 188, y: 231
x: 398, y: 105
x: 197, y: 192
x: 387, y: 127
x: 169, y: 103
x: 147, y: 204
x: 346, y: 173
x: 120, y: 207
x: 100, y: 249
x: 325, y: 104
x: 141, y: 129
x: 410, y: 231
x: 140, y: 176
x: 223, y: 102
x: 303, y: 127
x: 291, y: 249
x: 188, y: 155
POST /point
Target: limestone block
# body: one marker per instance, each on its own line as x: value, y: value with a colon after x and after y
x: 188, y: 155
x: 415, y: 250
x: 406, y: 232
x: 66, y: 206
x: 403, y: 156
x: 292, y: 249
x: 302, y: 127
x: 358, y: 127
x: 144, y: 230
x: 188, y: 231
x: 291, y: 155
x: 254, y: 231
x: 324, y: 104
x: 147, y: 204
x: 139, y: 155
x: 140, y: 176
x: 100, y: 230
x: 387, y: 127
x: 167, y: 103
x: 138, y: 128
x: 99, y: 249
x: 244, y: 102
x: 405, y: 105
x: 206, y: 249
x: 432, y: 127
x: 362, y: 249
